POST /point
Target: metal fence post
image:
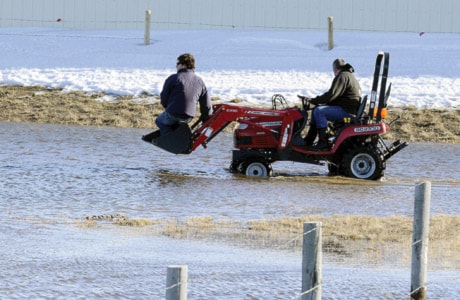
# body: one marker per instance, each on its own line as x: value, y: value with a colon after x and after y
x: 312, y: 261
x: 176, y: 283
x: 330, y: 26
x: 148, y: 14
x: 420, y: 240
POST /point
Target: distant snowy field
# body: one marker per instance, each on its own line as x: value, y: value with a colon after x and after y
x: 249, y: 65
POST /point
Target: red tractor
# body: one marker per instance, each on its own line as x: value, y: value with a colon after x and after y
x: 264, y: 136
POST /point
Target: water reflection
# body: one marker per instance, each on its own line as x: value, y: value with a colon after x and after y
x: 75, y: 171
x: 54, y: 176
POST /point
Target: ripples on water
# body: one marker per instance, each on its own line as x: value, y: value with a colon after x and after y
x: 53, y: 176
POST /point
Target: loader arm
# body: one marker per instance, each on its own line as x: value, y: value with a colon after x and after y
x: 223, y: 115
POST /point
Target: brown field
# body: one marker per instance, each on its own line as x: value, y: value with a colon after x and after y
x: 45, y: 105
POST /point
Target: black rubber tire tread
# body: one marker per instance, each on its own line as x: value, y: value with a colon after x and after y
x: 364, y: 152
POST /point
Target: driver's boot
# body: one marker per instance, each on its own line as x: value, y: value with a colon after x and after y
x: 311, y: 135
x: 322, y: 144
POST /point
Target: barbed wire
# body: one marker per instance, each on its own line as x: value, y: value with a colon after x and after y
x: 349, y: 278
x: 179, y: 25
x: 185, y: 25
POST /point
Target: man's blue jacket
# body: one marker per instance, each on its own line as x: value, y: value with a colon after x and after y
x: 181, y: 93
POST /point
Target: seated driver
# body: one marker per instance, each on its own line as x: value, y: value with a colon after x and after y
x: 340, y: 101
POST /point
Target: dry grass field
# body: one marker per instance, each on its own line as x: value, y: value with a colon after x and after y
x: 45, y: 105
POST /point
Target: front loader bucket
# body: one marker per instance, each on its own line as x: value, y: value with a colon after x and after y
x: 177, y: 141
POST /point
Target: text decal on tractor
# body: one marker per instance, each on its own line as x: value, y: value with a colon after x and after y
x: 367, y: 129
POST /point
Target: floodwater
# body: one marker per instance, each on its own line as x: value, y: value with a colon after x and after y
x: 54, y: 176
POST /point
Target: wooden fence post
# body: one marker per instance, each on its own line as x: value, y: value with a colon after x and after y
x: 176, y: 283
x: 330, y: 26
x: 420, y: 240
x: 312, y: 261
x: 148, y: 14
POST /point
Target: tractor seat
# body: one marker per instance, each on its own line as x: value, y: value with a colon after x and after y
x: 360, y: 111
x: 358, y: 119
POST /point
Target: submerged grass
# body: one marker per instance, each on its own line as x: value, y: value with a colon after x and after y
x: 49, y: 105
x: 356, y: 239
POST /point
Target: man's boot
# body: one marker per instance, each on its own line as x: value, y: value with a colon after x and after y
x: 311, y: 135
x: 322, y: 144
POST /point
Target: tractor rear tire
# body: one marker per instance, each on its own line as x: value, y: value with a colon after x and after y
x: 364, y: 162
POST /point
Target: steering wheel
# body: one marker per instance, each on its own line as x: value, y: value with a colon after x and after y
x: 305, y: 102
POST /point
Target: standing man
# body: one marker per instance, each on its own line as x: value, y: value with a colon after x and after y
x: 342, y: 100
x: 180, y: 95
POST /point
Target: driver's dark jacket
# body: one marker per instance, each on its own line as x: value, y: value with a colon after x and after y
x: 345, y: 92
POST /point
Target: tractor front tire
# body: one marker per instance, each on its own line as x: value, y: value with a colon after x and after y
x: 257, y: 169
